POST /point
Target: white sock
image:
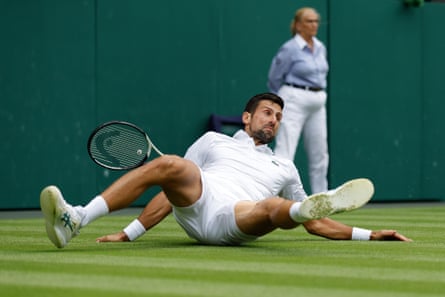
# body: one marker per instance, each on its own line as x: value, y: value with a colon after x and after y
x: 96, y: 208
x: 294, y: 213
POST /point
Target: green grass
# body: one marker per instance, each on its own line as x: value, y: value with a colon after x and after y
x: 285, y: 263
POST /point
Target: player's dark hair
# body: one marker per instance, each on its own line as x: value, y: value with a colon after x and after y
x: 252, y: 104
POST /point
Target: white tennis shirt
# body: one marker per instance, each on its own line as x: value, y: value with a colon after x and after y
x: 238, y: 170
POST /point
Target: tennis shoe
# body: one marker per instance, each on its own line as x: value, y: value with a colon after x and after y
x: 347, y: 197
x: 61, y: 219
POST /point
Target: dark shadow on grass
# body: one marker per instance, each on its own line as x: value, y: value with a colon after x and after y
x: 145, y: 244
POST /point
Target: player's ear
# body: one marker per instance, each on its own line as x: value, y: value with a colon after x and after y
x: 246, y: 117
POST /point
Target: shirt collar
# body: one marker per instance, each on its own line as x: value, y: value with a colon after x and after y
x: 302, y: 43
x: 242, y: 136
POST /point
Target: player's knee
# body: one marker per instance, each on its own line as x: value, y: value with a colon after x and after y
x: 171, y: 166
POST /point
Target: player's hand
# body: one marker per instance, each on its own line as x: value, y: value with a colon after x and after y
x: 388, y: 235
x: 116, y: 237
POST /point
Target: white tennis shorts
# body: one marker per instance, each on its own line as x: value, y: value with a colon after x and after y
x: 211, y: 219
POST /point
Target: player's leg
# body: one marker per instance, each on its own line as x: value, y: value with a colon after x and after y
x: 260, y: 218
x: 179, y: 178
x: 316, y: 147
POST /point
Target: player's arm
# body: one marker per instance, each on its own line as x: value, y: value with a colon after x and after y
x: 338, y: 231
x: 154, y: 212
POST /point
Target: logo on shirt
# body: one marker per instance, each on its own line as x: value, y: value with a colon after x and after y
x: 275, y: 163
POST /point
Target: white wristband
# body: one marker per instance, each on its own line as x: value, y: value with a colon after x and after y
x: 134, y: 230
x: 360, y: 234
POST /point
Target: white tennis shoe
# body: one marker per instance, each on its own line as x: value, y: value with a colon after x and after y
x: 61, y: 219
x: 349, y: 196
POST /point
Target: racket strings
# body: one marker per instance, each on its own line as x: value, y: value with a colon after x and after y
x: 119, y: 146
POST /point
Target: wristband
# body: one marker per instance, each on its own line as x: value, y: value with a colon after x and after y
x: 360, y: 234
x: 134, y: 230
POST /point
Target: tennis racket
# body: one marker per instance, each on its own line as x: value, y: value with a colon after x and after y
x: 120, y: 145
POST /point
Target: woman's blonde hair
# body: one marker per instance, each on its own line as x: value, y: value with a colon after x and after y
x: 298, y: 17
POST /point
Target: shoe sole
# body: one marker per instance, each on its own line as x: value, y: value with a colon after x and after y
x: 49, y: 199
x: 349, y: 196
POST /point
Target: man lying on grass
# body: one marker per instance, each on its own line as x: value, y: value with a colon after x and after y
x: 225, y: 191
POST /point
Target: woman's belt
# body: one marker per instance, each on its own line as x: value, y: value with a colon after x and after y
x: 313, y: 89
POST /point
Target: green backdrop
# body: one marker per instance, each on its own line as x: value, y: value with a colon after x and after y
x: 67, y: 66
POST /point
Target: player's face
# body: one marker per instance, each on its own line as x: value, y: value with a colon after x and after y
x: 262, y: 125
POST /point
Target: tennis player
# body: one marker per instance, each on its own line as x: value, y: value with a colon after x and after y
x: 225, y: 191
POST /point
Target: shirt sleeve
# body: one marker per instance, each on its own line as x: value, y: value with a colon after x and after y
x: 280, y: 66
x: 294, y: 190
x: 197, y: 152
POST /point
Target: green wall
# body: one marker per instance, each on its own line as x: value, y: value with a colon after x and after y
x: 47, y: 93
x: 67, y: 66
x: 386, y: 97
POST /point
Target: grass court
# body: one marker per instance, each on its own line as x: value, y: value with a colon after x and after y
x: 165, y: 262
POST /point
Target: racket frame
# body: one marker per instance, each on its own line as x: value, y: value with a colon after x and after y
x: 103, y: 125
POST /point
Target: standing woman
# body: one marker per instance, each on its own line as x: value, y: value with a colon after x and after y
x: 298, y: 75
